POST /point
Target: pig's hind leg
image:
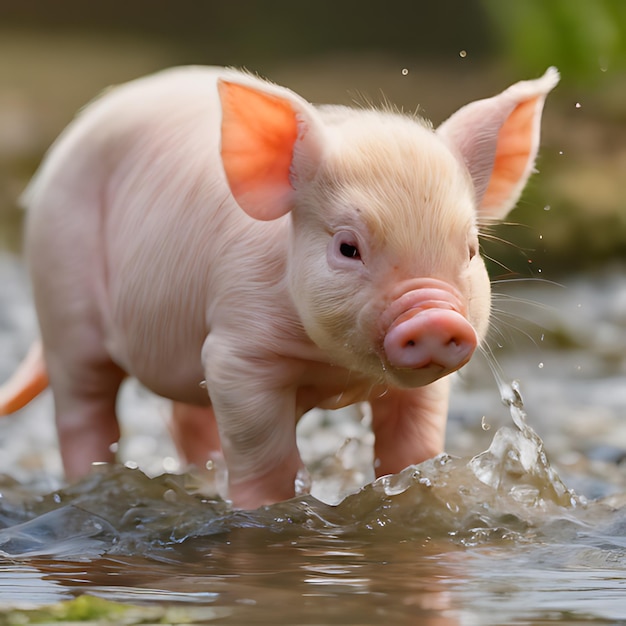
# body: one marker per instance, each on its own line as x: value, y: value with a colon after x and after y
x: 195, y: 434
x: 66, y: 269
x: 409, y: 425
x: 87, y: 427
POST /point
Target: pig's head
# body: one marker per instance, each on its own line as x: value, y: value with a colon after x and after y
x: 384, y: 264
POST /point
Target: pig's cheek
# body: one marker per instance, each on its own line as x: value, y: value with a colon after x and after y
x: 479, y: 297
x: 320, y: 299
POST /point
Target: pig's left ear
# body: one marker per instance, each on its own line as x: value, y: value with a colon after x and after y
x: 270, y: 144
x: 498, y: 139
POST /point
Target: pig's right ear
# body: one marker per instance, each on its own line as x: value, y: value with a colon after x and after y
x: 270, y: 143
x: 498, y: 139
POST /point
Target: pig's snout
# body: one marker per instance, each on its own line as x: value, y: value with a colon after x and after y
x: 429, y: 332
x: 430, y: 337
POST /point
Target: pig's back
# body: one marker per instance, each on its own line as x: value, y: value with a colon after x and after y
x: 144, y: 224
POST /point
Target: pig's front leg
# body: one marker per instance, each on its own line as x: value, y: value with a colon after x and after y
x: 409, y: 425
x: 256, y: 418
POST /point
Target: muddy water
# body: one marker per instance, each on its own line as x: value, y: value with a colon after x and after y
x: 490, y: 534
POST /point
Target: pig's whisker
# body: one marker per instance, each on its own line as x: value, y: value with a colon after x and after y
x: 499, y: 240
x: 502, y: 319
x: 505, y: 297
x: 502, y: 265
x: 488, y: 236
x: 384, y: 392
x: 493, y: 364
x: 534, y: 279
x: 488, y: 225
x: 381, y: 381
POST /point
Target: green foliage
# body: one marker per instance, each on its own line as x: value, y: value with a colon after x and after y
x: 88, y: 609
x: 583, y: 38
x: 83, y: 609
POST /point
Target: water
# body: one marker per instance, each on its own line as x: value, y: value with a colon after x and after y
x: 491, y: 539
x: 434, y: 543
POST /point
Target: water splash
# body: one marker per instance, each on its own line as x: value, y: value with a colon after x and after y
x: 502, y: 494
x: 516, y: 462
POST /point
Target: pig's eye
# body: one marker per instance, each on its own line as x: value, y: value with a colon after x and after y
x: 349, y: 250
x: 473, y: 251
x: 345, y: 252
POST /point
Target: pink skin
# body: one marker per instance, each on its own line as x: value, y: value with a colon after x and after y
x: 204, y: 225
x: 430, y: 331
x: 430, y: 338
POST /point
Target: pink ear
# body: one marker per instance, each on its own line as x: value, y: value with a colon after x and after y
x: 259, y: 132
x: 498, y: 139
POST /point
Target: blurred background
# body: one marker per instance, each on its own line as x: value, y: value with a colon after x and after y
x: 569, y: 228
x: 559, y: 317
x: 430, y: 56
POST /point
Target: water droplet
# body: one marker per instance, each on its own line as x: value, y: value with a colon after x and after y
x: 511, y: 394
x: 170, y: 464
x: 170, y: 496
x: 542, y: 337
x: 547, y: 207
x: 131, y: 465
x: 483, y: 423
x: 540, y: 236
x: 578, y: 105
x: 561, y: 152
x: 463, y: 53
x: 405, y: 71
x: 302, y: 483
x: 202, y: 384
x: 452, y: 507
x: 540, y: 366
x: 539, y: 270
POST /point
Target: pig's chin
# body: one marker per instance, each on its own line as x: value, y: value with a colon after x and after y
x: 415, y: 377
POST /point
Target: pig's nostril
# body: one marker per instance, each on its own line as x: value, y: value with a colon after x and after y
x: 410, y: 343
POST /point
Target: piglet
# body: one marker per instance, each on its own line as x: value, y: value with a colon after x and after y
x: 251, y: 256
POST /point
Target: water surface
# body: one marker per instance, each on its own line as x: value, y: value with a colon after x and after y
x: 491, y: 539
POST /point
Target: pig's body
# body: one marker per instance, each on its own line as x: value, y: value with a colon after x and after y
x: 143, y: 174
x: 144, y: 264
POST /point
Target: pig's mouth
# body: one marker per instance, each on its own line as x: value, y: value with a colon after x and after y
x: 407, y: 378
